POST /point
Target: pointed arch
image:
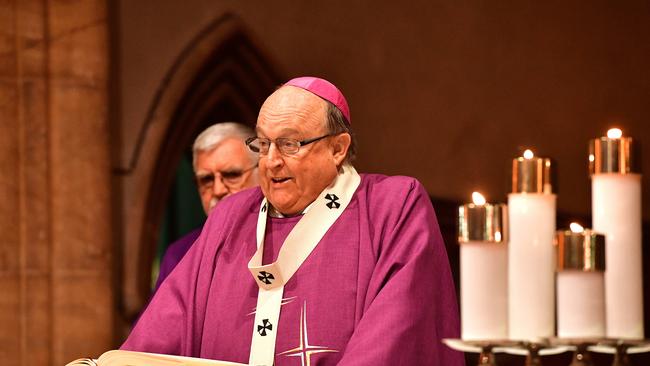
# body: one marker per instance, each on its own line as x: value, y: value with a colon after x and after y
x: 222, y: 74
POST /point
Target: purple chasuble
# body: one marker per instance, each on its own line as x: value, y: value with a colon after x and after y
x: 377, y: 290
x: 174, y: 253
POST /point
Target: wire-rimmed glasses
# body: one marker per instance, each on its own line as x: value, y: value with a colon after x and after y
x: 287, y: 146
x: 230, y: 178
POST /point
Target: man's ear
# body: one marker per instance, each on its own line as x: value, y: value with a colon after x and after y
x: 340, y: 145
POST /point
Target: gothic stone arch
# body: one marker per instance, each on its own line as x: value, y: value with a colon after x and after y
x: 221, y: 75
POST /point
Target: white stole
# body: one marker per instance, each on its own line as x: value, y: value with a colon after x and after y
x: 300, y: 242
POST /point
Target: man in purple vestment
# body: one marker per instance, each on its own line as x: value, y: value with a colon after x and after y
x: 223, y: 165
x: 375, y: 290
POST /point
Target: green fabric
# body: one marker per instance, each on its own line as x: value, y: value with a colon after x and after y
x: 183, y: 212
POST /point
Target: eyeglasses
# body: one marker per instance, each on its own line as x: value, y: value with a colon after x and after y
x: 286, y: 146
x: 229, y: 178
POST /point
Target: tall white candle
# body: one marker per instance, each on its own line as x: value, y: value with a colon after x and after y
x: 580, y: 283
x: 531, y: 262
x: 616, y: 212
x: 483, y: 270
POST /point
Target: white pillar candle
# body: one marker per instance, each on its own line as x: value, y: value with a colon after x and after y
x: 483, y: 270
x: 531, y: 262
x: 616, y: 212
x: 580, y: 284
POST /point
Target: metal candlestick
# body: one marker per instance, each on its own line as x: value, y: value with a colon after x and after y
x: 486, y: 357
x: 581, y: 356
x: 621, y: 357
x: 533, y: 358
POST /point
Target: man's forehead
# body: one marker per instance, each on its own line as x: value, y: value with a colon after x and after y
x: 293, y: 107
x: 230, y: 151
x: 283, y: 132
x: 289, y: 95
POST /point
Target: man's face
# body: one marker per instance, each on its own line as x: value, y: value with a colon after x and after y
x: 222, y: 171
x: 292, y: 182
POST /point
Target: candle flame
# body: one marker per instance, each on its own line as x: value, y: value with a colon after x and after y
x: 478, y: 199
x: 614, y: 133
x: 576, y: 228
x: 591, y: 158
x: 497, y: 236
x: 528, y: 154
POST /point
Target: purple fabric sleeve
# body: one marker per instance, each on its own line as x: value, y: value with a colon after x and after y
x: 172, y: 323
x: 174, y: 253
x: 410, y: 303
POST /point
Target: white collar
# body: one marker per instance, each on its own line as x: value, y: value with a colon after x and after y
x: 277, y: 214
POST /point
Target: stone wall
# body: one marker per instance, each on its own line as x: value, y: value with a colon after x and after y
x: 56, y: 277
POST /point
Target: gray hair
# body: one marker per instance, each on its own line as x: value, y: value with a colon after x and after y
x: 212, y: 136
x: 336, y: 123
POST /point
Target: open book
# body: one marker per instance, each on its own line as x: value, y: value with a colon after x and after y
x: 130, y: 358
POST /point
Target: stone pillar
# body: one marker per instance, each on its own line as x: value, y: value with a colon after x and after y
x: 56, y: 269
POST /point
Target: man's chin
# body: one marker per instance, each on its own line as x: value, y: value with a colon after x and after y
x: 286, y: 209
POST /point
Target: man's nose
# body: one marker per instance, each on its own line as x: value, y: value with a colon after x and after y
x: 274, y: 157
x: 219, y: 189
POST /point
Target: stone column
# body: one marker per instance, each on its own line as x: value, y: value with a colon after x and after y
x: 56, y: 269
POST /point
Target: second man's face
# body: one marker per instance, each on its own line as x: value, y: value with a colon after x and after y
x: 222, y: 171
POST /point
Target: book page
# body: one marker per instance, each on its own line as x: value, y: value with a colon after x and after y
x: 82, y: 362
x: 130, y: 358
